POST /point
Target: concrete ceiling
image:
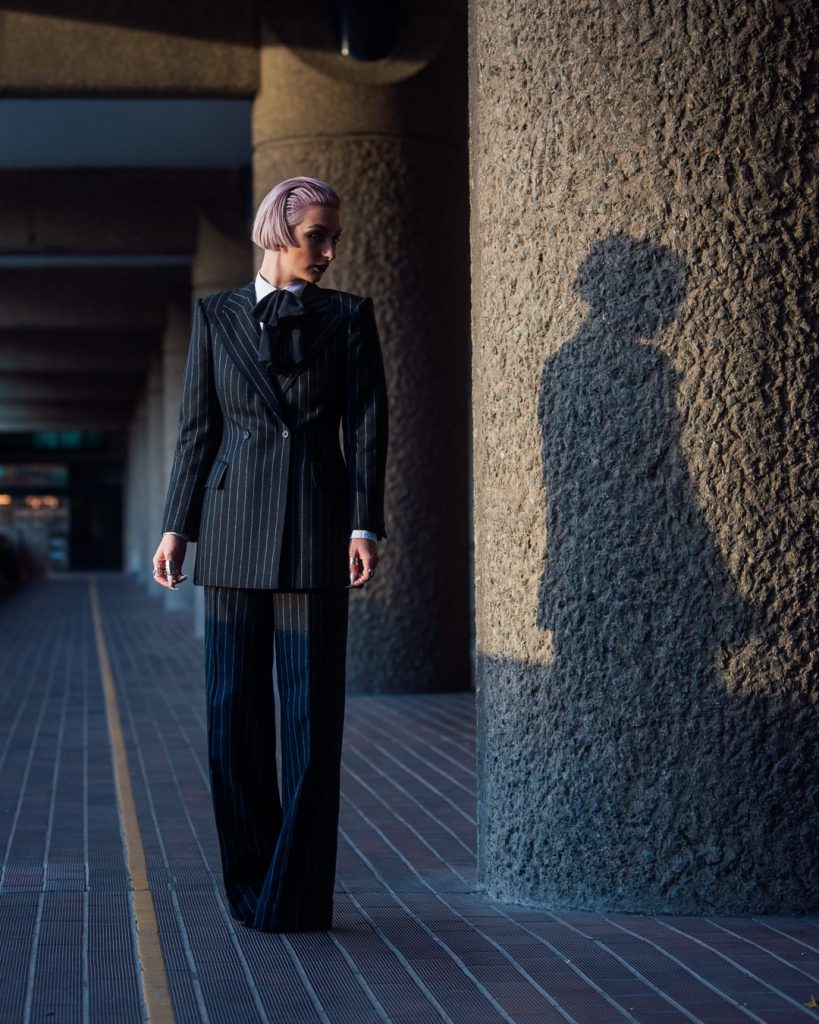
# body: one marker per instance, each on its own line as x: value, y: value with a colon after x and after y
x: 89, y: 261
x: 121, y: 123
x: 200, y: 19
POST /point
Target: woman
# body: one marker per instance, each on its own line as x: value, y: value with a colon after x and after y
x: 284, y: 523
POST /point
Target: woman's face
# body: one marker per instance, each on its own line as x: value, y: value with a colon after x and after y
x: 317, y: 236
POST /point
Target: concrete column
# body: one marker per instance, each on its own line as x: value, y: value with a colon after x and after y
x: 174, y: 351
x: 645, y: 246
x: 138, y: 498
x: 220, y: 262
x: 390, y: 137
x: 155, y: 474
x: 134, y: 532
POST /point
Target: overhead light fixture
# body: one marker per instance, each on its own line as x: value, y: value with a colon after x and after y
x: 365, y: 30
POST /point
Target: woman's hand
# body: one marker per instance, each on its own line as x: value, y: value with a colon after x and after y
x: 363, y: 560
x: 168, y: 559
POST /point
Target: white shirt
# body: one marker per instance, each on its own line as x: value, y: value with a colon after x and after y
x: 264, y: 287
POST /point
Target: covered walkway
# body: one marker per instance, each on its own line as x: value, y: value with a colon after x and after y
x: 110, y: 905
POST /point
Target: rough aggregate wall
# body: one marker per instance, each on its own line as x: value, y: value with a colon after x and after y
x: 646, y: 457
x: 100, y: 52
x: 401, y: 172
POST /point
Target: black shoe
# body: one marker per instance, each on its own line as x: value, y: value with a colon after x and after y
x: 242, y: 901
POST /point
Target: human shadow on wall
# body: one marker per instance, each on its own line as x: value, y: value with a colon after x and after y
x: 640, y: 602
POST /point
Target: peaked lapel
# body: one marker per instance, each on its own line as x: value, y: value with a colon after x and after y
x: 320, y: 320
x: 240, y: 334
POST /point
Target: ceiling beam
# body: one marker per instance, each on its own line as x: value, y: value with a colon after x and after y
x: 60, y: 48
x: 148, y: 212
x: 76, y: 352
x: 74, y: 298
x: 81, y: 388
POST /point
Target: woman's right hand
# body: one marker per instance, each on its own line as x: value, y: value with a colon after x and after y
x: 169, y: 555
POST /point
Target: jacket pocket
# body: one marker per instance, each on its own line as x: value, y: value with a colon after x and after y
x: 327, y: 474
x: 216, y: 477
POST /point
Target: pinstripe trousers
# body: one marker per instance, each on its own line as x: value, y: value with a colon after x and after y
x: 278, y: 843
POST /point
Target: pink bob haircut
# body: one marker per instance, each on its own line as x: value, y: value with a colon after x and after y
x: 284, y: 206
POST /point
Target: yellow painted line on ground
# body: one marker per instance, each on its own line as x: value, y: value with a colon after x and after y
x: 154, y: 980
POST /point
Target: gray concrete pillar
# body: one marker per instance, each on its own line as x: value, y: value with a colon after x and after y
x: 390, y: 137
x: 132, y: 508
x: 220, y: 261
x: 156, y: 476
x: 137, y: 556
x: 645, y: 355
x: 174, y: 351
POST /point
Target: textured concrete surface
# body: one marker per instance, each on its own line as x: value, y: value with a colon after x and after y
x: 396, y: 154
x: 222, y: 259
x: 137, y: 49
x: 646, y: 456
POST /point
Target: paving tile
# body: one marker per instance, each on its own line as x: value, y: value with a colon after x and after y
x: 414, y: 942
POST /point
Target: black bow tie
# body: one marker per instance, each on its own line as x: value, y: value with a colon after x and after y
x: 281, y: 343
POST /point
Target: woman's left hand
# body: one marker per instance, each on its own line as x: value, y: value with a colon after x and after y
x: 363, y: 560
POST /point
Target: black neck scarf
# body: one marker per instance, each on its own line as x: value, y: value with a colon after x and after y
x: 281, y: 345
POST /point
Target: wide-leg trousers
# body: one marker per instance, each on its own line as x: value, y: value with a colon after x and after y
x: 278, y: 842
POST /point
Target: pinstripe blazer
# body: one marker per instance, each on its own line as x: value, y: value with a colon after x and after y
x: 259, y: 478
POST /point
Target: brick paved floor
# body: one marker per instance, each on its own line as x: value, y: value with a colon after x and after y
x: 414, y: 941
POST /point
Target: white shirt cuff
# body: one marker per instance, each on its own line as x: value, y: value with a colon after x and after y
x: 363, y: 535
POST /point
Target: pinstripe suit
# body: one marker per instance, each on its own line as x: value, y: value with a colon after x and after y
x: 260, y: 482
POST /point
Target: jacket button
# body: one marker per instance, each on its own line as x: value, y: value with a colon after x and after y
x: 285, y: 433
x: 246, y: 434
